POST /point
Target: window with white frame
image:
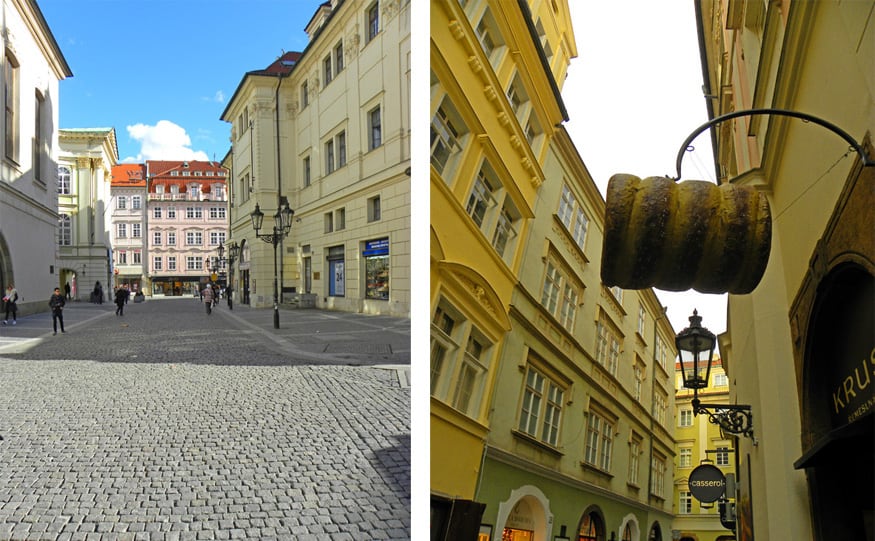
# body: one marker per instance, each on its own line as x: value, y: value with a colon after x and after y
x: 722, y: 458
x: 480, y: 198
x: 519, y: 99
x: 327, y: 72
x: 138, y: 257
x: 136, y: 230
x: 171, y: 238
x: 541, y: 407
x: 217, y: 238
x: 375, y: 128
x: 458, y: 374
x: 685, y: 502
x: 560, y: 295
x: 121, y: 231
x: 448, y: 131
x: 492, y: 209
x: 638, y: 378
x: 156, y: 238
x: 305, y: 94
x: 171, y: 213
x: 136, y: 202
x: 194, y: 190
x: 660, y: 399
x: 156, y: 212
x: 634, y: 458
x: 490, y: 38
x: 657, y: 469
x: 685, y: 417
x: 375, y: 212
x: 157, y: 263
x: 217, y: 213
x: 617, y: 292
x: 685, y: 457
x: 661, y: 352
x: 194, y: 263
x: 121, y: 202
x: 194, y: 238
x: 65, y: 230
x: 171, y: 262
x: 642, y: 319
x: 121, y: 257
x: 306, y: 171
x: 372, y: 15
x: 194, y: 213
x: 607, y: 345
x: 39, y: 136
x: 329, y: 157
x: 599, y: 439
x: 573, y: 216
x: 13, y: 107
x: 64, y: 176
x: 721, y: 379
x: 340, y: 142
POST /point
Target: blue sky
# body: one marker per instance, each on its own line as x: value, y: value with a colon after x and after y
x: 162, y: 71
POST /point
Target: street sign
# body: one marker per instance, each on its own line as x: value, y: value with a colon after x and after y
x: 707, y: 483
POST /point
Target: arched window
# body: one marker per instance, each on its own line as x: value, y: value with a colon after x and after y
x: 592, y: 528
x: 627, y: 532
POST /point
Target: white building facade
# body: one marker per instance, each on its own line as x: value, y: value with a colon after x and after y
x: 32, y: 67
x: 340, y: 114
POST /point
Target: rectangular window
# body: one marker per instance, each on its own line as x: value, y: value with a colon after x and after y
x: 642, y: 316
x: 305, y: 94
x: 217, y: 213
x: 340, y: 219
x: 39, y: 142
x: 541, y: 407
x: 572, y: 215
x: 329, y: 222
x: 599, y: 441
x: 136, y: 230
x: 374, y: 210
x: 171, y: 238
x: 634, y: 458
x: 685, y: 417
x: 156, y: 212
x: 376, y: 256
x: 375, y: 135
x: 721, y: 380
x: 121, y: 202
x: 217, y: 238
x: 156, y: 238
x: 306, y: 171
x: 338, y: 58
x: 194, y: 238
x: 194, y: 213
x: 65, y: 230
x: 136, y: 202
x: 63, y: 180
x: 327, y: 73
x: 157, y: 263
x: 685, y: 502
x: 722, y: 456
x: 657, y: 468
x: 607, y: 347
x: 122, y: 231
x: 480, y: 198
x: 341, y: 149
x: 138, y: 257
x: 171, y: 213
x: 10, y: 98
x: 563, y: 307
x: 659, y: 406
x: 685, y: 458
x: 329, y: 157
x: 171, y: 262
x: 193, y: 263
x: 122, y: 257
x: 373, y: 15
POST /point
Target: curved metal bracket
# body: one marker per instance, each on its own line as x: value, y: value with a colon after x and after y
x: 867, y: 162
x: 733, y: 418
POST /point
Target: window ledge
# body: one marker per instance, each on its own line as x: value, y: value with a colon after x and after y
x: 633, y: 486
x: 536, y: 442
x: 596, y: 470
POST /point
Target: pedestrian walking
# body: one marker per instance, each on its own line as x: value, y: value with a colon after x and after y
x: 215, y: 295
x: 207, y: 296
x: 67, y: 290
x: 97, y: 294
x: 228, y: 291
x: 11, y: 300
x: 121, y: 298
x: 57, y: 302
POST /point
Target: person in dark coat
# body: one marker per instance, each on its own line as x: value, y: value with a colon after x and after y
x: 121, y: 298
x: 57, y: 302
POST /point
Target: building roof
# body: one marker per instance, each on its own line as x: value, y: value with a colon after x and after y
x: 183, y: 173
x: 129, y: 175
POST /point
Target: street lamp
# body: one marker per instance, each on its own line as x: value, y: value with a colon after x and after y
x: 281, y: 227
x: 695, y: 346
x: 233, y: 252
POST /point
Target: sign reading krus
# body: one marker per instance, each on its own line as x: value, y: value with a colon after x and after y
x: 707, y: 483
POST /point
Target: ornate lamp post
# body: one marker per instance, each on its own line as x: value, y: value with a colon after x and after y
x: 695, y: 346
x: 233, y: 252
x: 282, y: 225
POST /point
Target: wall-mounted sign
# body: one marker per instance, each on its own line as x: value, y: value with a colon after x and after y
x: 707, y: 483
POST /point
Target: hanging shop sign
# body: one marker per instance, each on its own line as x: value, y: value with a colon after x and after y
x: 707, y: 483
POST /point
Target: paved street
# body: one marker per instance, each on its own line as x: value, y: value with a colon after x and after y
x: 167, y: 423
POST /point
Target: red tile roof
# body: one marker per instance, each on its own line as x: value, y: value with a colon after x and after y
x: 129, y: 175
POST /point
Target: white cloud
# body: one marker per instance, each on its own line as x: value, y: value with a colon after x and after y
x: 220, y: 96
x: 163, y: 141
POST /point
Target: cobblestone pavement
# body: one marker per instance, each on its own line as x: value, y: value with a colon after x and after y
x: 170, y: 424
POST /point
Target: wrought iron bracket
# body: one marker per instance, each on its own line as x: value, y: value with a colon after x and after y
x: 271, y: 238
x: 733, y: 418
x: 864, y: 158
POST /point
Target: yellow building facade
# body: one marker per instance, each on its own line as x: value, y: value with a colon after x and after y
x: 699, y: 441
x: 799, y: 349
x: 494, y: 102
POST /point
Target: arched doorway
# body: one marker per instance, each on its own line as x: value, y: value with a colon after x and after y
x: 655, y: 533
x: 838, y: 417
x: 525, y: 515
x: 592, y: 525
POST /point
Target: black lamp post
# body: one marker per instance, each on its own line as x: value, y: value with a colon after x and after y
x: 233, y: 252
x: 695, y: 346
x: 282, y: 225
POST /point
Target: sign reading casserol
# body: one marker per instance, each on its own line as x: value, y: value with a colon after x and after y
x: 707, y: 483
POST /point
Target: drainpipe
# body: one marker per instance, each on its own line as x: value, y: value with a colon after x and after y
x: 653, y: 401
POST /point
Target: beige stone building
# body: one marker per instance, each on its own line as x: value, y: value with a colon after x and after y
x: 327, y: 130
x: 33, y: 65
x: 799, y: 349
